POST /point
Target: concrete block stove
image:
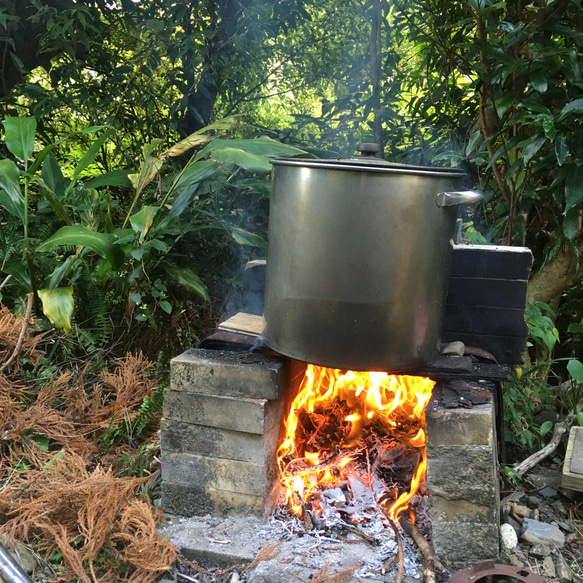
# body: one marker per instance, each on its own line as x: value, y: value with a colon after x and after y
x: 223, y: 414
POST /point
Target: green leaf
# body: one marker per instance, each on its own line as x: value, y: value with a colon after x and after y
x: 260, y: 147
x: 533, y: 147
x: 580, y: 418
x: 245, y: 160
x: 561, y: 149
x: 575, y: 368
x: 166, y: 306
x: 539, y: 81
x: 246, y: 238
x: 52, y: 176
x: 42, y: 440
x: 575, y: 106
x: 546, y: 427
x: 91, y: 153
x: 11, y: 197
x: 103, y: 244
x: 573, y: 187
x: 54, y: 201
x: 112, y: 178
x: 571, y: 223
x: 58, y: 274
x: 473, y: 141
x: 188, y: 280
x: 58, y: 305
x: 20, y: 136
x: 143, y: 219
x: 136, y: 298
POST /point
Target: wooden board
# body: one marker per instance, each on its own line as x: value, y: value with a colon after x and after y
x: 573, y: 467
x: 244, y: 323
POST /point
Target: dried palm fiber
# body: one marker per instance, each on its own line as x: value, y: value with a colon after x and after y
x: 115, y: 396
x: 10, y: 329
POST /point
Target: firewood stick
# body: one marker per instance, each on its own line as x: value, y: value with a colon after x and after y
x: 401, y: 570
x: 22, y: 334
x: 546, y: 451
x: 432, y: 562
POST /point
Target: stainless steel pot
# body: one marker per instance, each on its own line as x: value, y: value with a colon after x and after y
x: 358, y: 261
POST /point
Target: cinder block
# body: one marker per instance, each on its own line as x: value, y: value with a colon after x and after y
x: 443, y: 510
x: 186, y: 500
x: 238, y: 414
x: 463, y: 544
x: 463, y: 427
x: 466, y: 473
x: 496, y: 293
x: 491, y: 261
x: 219, y: 474
x: 233, y: 374
x: 485, y: 320
x: 179, y: 437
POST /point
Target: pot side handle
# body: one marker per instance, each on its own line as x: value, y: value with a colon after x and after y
x: 458, y: 197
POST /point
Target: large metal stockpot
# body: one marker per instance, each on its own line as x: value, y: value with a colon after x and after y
x: 358, y: 261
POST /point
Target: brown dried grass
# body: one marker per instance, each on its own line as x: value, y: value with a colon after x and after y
x: 10, y: 328
x: 63, y: 497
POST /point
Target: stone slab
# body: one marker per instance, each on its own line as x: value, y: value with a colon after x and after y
x: 236, y: 414
x: 473, y: 426
x: 219, y: 474
x: 178, y: 437
x: 572, y: 476
x: 463, y: 473
x: 234, y: 374
x: 463, y: 544
x: 189, y: 500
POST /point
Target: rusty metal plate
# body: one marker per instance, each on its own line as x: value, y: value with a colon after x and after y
x: 490, y: 571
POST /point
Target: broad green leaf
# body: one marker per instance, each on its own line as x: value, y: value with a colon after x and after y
x: 53, y: 177
x: 166, y: 306
x: 533, y: 147
x: 11, y: 197
x: 19, y: 272
x: 42, y: 440
x: 473, y: 141
x: 245, y: 160
x: 112, y: 178
x: 571, y: 223
x: 561, y: 149
x: 136, y: 298
x: 149, y: 167
x: 103, y: 244
x: 55, y: 279
x: 575, y: 368
x: 143, y: 219
x: 574, y: 187
x: 188, y: 280
x: 91, y: 153
x: 575, y: 106
x: 246, y: 238
x: 260, y: 147
x: 580, y: 418
x: 546, y: 427
x: 20, y: 136
x: 505, y: 102
x: 58, y: 306
x: 539, y: 81
x: 54, y: 201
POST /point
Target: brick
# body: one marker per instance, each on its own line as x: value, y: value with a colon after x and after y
x: 506, y: 349
x: 473, y: 426
x: 220, y: 474
x: 466, y: 473
x: 238, y: 414
x: 463, y: 544
x: 178, y: 437
x: 188, y: 500
x: 233, y: 374
x: 495, y: 293
x: 491, y: 261
x: 485, y: 320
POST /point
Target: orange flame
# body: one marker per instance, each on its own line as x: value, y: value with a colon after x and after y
x: 397, y: 402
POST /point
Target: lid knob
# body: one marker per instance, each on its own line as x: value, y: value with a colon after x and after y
x: 369, y: 149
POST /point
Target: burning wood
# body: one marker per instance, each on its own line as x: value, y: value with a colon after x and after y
x: 354, y: 441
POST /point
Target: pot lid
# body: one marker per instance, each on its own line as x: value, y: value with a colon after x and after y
x: 368, y: 162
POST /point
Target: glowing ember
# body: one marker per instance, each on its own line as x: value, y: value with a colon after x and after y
x: 359, y: 433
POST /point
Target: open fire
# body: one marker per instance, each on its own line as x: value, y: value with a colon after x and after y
x: 353, y: 441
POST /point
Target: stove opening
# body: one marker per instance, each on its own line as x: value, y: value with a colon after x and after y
x: 354, y: 441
